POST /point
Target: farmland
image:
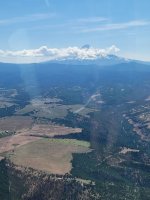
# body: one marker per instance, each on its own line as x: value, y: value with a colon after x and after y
x: 52, y: 109
x: 26, y: 134
x: 50, y: 155
x: 15, y: 123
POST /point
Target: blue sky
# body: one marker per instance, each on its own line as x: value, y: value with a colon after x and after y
x: 30, y: 24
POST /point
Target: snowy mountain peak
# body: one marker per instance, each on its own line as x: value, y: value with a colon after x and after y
x: 86, y: 46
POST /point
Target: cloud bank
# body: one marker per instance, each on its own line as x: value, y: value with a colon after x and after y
x: 44, y: 54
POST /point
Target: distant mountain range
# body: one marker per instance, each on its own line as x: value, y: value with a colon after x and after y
x: 101, y: 61
x: 85, y: 55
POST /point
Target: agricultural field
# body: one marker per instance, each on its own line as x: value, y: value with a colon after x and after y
x: 15, y: 123
x: 5, y: 104
x: 50, y: 130
x: 19, y: 130
x: 8, y: 93
x: 52, y: 109
x: 50, y: 155
x: 12, y: 142
x: 7, y: 97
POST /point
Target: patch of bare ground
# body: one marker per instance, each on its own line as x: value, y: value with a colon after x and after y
x: 45, y: 130
x: 15, y: 123
x: 50, y: 155
x: 126, y: 150
x: 138, y: 131
x: 5, y: 104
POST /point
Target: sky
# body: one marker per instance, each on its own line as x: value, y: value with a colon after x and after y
x: 44, y: 29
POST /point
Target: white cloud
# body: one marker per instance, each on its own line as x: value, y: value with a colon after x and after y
x: 92, y: 24
x: 91, y: 19
x: 44, y: 53
x: 116, y: 26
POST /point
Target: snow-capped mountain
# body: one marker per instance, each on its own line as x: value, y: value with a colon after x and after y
x: 87, y: 55
x: 101, y: 61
